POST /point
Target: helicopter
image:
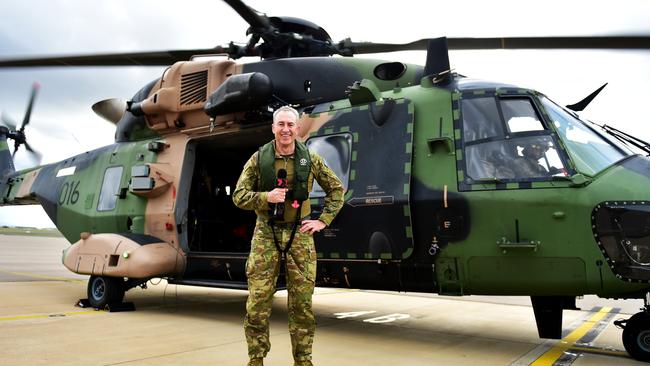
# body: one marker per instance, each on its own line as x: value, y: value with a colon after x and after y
x: 454, y: 186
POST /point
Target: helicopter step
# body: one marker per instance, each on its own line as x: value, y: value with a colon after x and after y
x: 223, y: 266
x: 234, y: 285
x: 221, y: 270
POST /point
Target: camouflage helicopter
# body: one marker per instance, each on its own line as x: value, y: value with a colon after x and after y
x: 426, y: 156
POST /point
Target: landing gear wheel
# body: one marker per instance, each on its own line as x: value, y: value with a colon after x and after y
x: 105, y: 290
x: 636, y: 336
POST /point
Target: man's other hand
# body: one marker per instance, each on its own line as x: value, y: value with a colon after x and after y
x: 312, y: 226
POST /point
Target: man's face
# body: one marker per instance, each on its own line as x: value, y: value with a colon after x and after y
x: 536, y: 151
x: 285, y: 128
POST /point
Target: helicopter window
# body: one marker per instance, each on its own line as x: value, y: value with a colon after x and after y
x: 110, y: 189
x: 523, y: 158
x: 336, y: 151
x: 520, y: 115
x: 480, y: 119
x: 590, y: 152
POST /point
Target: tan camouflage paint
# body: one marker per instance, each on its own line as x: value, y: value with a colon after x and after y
x: 117, y: 256
x: 26, y: 186
x: 163, y: 108
x: 311, y: 123
x: 159, y: 215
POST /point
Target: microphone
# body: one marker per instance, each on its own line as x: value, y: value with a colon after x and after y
x: 281, y: 182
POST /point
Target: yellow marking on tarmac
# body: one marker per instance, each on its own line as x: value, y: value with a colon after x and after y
x: 568, y: 342
x: 56, y: 315
x: 43, y: 277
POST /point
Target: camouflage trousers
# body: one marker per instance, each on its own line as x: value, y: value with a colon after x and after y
x: 262, y: 270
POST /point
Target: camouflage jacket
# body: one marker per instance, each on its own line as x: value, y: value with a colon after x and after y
x: 247, y: 196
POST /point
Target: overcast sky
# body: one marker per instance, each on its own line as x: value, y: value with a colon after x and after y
x: 63, y: 123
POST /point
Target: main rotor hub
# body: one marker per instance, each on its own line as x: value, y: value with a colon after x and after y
x: 291, y: 37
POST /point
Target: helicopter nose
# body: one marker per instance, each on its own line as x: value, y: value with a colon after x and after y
x: 622, y: 231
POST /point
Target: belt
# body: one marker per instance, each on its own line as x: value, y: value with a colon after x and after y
x: 284, y: 225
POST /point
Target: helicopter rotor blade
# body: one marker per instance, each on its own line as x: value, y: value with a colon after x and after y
x: 585, y: 42
x: 7, y: 121
x: 153, y: 58
x: 30, y: 106
x: 347, y: 47
x: 111, y: 110
x: 259, y: 23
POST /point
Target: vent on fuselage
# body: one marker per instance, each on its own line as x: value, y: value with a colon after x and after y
x: 194, y: 87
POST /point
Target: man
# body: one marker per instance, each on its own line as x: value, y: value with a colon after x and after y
x: 277, y: 237
x: 528, y: 166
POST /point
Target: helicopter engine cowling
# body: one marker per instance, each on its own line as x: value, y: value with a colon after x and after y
x: 177, y: 99
x: 240, y: 93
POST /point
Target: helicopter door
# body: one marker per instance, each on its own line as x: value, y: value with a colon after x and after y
x: 369, y: 148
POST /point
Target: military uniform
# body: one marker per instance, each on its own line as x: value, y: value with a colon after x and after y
x: 527, y: 167
x: 263, y: 265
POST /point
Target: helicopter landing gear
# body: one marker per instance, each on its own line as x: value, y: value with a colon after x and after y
x: 636, y: 333
x: 103, y: 291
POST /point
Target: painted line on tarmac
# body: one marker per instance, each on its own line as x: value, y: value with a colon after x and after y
x: 43, y: 277
x: 55, y: 315
x: 584, y: 344
x: 560, y: 348
x: 601, y: 351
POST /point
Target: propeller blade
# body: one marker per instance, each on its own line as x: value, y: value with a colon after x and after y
x: 28, y: 113
x: 37, y: 155
x: 111, y: 110
x: 154, y: 58
x: 347, y: 47
x: 8, y: 122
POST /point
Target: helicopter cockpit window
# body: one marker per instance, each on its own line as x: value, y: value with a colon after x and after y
x: 481, y: 119
x: 520, y: 115
x: 515, y: 148
x: 522, y: 158
x: 336, y: 151
x: 590, y: 152
x: 110, y: 189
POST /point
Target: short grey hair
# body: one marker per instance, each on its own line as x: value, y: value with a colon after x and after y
x: 286, y: 108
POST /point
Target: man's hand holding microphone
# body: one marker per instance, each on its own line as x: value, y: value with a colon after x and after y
x: 277, y: 197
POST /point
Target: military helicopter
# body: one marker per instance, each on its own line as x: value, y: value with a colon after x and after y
x: 453, y: 185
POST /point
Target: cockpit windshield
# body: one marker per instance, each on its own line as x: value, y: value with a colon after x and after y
x: 505, y: 140
x: 590, y: 151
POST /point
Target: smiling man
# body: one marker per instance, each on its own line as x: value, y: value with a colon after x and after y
x: 281, y: 173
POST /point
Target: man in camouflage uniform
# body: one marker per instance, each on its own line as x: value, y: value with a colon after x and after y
x: 255, y: 190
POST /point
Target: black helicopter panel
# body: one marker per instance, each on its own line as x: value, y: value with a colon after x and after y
x: 380, y: 134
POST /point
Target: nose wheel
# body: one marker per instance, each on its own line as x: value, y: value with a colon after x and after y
x: 105, y: 290
x: 636, y: 334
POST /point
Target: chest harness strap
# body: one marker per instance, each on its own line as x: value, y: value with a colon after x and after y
x: 283, y: 252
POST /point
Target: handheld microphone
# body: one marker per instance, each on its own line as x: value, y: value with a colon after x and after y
x: 281, y: 182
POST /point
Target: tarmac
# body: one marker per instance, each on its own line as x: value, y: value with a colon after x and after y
x: 183, y: 325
